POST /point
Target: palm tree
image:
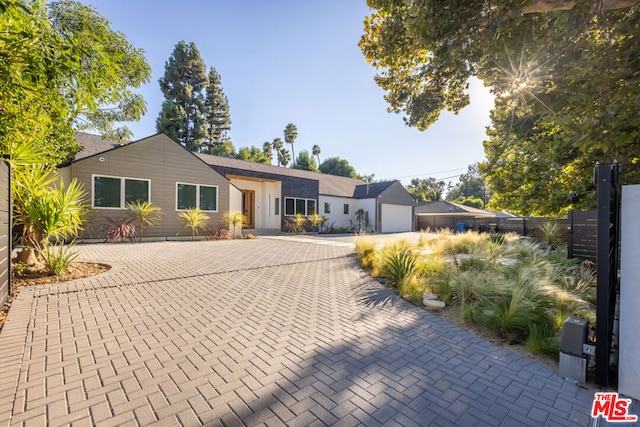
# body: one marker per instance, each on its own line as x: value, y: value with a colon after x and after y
x: 267, y: 149
x: 277, y: 145
x: 284, y: 157
x: 316, y: 152
x: 290, y: 135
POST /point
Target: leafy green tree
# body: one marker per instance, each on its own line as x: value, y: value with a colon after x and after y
x: 470, y: 183
x: 183, y: 114
x: 218, y: 120
x: 224, y: 149
x: 62, y: 68
x: 253, y: 154
x: 316, y: 152
x: 290, y: 136
x: 337, y: 166
x: 306, y: 162
x: 426, y: 190
x: 540, y: 66
x: 472, y: 201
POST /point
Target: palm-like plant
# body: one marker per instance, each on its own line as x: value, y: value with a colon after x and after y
x: 290, y: 135
x: 284, y: 157
x: 277, y: 145
x: 316, y: 152
x: 44, y: 210
x: 146, y: 213
x: 234, y: 219
x: 316, y: 220
x: 194, y: 219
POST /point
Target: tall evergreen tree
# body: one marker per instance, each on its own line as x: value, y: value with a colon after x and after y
x: 183, y: 115
x: 216, y: 112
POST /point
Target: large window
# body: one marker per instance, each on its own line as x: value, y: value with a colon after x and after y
x: 294, y: 206
x: 190, y: 196
x: 114, y: 192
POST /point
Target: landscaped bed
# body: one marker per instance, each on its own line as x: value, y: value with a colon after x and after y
x: 515, y: 289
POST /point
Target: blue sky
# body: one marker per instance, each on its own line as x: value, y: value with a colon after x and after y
x: 297, y: 61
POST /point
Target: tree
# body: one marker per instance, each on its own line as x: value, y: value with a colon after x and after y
x: 267, y: 149
x: 316, y: 152
x: 337, y: 166
x: 224, y: 149
x: 277, y: 147
x: 470, y: 183
x: 304, y: 161
x: 540, y: 66
x: 216, y: 112
x: 471, y: 201
x: 284, y: 157
x: 62, y: 68
x: 253, y: 154
x: 183, y: 115
x: 426, y: 190
x: 290, y: 135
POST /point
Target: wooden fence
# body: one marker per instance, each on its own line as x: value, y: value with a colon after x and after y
x: 524, y: 226
x: 583, y: 235
x: 581, y: 226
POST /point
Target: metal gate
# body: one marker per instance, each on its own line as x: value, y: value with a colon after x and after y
x: 5, y: 232
x: 607, y: 179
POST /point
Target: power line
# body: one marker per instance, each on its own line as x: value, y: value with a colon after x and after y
x: 435, y: 173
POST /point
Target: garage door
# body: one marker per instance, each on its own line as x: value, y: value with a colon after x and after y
x: 395, y: 218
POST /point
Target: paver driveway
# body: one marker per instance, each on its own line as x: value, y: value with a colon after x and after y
x: 264, y: 331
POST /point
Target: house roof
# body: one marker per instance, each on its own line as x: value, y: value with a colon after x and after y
x: 331, y: 185
x: 94, y: 144
x: 328, y: 184
x: 369, y: 191
x: 442, y: 207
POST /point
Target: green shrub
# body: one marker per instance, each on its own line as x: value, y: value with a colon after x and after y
x: 57, y: 257
x: 399, y: 265
x: 366, y: 252
x: 542, y: 339
x: 411, y: 288
x: 552, y: 234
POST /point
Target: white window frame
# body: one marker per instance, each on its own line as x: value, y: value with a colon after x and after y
x: 295, y: 204
x: 198, y: 196
x: 122, y: 188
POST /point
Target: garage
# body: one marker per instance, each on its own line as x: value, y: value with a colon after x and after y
x: 395, y: 218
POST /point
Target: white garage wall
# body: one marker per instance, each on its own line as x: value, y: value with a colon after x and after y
x: 395, y: 218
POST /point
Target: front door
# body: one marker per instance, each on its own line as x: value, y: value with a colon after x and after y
x: 249, y: 207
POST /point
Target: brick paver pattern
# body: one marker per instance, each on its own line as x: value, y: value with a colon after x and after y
x: 261, y: 332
